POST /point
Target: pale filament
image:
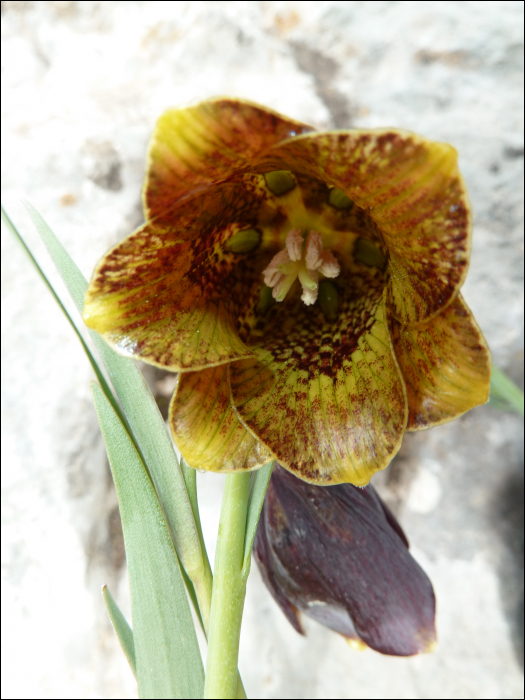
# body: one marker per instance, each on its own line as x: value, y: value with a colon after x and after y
x: 303, y: 260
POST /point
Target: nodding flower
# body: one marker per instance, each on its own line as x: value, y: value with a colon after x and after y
x: 337, y: 555
x: 304, y: 284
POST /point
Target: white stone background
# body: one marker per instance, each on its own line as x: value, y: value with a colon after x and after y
x: 82, y: 85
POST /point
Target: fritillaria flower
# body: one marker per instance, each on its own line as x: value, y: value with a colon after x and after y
x: 338, y: 555
x: 304, y: 284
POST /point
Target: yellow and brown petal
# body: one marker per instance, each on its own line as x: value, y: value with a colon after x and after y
x: 199, y: 146
x: 208, y: 432
x: 445, y: 364
x: 326, y: 388
x: 318, y: 389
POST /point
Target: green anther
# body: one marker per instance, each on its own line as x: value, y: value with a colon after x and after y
x: 367, y: 252
x: 328, y: 299
x: 338, y: 199
x: 279, y: 182
x: 266, y: 299
x: 243, y: 241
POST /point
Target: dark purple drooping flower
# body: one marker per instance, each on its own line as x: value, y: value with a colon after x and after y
x: 337, y: 554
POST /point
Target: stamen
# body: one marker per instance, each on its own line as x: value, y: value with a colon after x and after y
x: 280, y: 182
x: 314, y: 250
x: 329, y: 265
x: 272, y: 272
x: 244, y: 241
x: 289, y: 264
x: 338, y: 199
x: 294, y: 244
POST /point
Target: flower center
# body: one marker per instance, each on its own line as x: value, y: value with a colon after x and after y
x: 300, y: 259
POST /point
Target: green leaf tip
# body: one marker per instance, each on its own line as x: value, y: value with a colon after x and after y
x: 121, y: 627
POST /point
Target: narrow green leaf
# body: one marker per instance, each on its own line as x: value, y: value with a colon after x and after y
x: 258, y: 487
x: 102, y: 380
x: 121, y: 627
x: 156, y: 447
x: 76, y: 283
x: 167, y: 654
x: 504, y: 393
x: 147, y: 424
x: 190, y: 479
x: 193, y: 597
x: 203, y: 584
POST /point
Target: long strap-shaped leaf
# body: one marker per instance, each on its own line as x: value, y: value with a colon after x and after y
x: 167, y: 656
x: 102, y: 380
x: 142, y: 413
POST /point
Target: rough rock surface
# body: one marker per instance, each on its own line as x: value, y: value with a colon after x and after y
x: 82, y: 85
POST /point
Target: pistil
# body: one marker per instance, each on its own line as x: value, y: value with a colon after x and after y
x: 303, y: 260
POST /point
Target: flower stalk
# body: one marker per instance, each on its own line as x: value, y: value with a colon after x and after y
x: 229, y: 590
x: 202, y: 577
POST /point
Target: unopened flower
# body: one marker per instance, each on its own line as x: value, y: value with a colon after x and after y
x: 304, y: 284
x: 338, y: 555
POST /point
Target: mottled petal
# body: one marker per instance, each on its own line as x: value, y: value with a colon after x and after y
x: 412, y: 190
x: 326, y: 397
x: 338, y: 555
x: 166, y: 294
x: 205, y: 427
x: 445, y: 364
x: 194, y: 147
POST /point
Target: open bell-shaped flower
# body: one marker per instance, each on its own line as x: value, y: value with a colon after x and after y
x: 338, y: 555
x: 305, y: 285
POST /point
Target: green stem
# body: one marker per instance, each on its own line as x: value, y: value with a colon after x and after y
x: 202, y: 579
x: 203, y: 590
x: 229, y: 589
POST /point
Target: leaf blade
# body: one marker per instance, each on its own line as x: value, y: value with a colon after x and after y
x: 168, y: 660
x: 98, y: 372
x: 260, y: 481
